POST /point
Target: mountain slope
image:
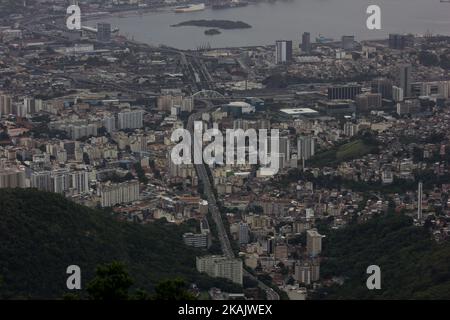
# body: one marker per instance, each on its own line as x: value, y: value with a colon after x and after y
x: 41, y: 234
x: 412, y: 265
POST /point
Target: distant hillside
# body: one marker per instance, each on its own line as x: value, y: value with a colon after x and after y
x: 43, y: 233
x: 412, y: 265
x: 348, y: 151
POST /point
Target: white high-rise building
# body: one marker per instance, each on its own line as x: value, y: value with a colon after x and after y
x: 112, y: 194
x: 5, y: 105
x: 41, y: 180
x: 12, y: 178
x: 80, y: 181
x: 283, y: 51
x: 32, y: 105
x: 109, y: 122
x: 133, y: 119
x: 397, y: 94
x: 221, y: 267
x: 60, y: 180
x: 313, y: 243
x: 305, y: 147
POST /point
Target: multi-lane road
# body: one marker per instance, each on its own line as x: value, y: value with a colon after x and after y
x: 214, y: 208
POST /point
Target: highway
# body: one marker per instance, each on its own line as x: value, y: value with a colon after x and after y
x: 214, y: 209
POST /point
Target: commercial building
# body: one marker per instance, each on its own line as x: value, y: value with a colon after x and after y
x: 368, y: 101
x: 405, y: 79
x: 305, y: 147
x: 244, y: 237
x: 336, y: 107
x: 344, y: 92
x: 306, y: 43
x: 397, y: 94
x: 382, y: 86
x: 283, y: 51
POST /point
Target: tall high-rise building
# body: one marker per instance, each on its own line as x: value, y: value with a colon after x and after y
x: 285, y: 147
x: 243, y: 233
x: 109, y: 122
x: 221, y: 267
x: 368, y: 101
x: 383, y: 86
x: 419, y: 200
x: 103, y: 32
x: 12, y: 178
x: 80, y: 181
x: 283, y: 51
x: 348, y: 42
x: 131, y: 119
x: 313, y: 243
x: 405, y: 79
x: 305, y: 147
x: 5, y: 105
x: 306, y: 43
x: 397, y: 94
x: 112, y: 194
x: 32, y: 105
x: 400, y: 41
x: 60, y: 180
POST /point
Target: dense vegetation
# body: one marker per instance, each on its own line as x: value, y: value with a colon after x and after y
x: 41, y: 234
x: 413, y: 266
x: 348, y: 151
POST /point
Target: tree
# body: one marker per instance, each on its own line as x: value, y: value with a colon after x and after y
x: 174, y: 290
x: 111, y: 282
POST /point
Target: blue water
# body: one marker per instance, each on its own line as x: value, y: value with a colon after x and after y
x: 288, y: 20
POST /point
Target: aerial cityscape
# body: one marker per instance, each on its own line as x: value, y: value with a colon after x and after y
x: 209, y: 150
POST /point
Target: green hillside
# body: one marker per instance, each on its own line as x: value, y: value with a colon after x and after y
x: 348, y: 151
x: 413, y: 266
x: 41, y: 234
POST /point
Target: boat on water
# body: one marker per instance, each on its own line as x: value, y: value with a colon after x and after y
x: 229, y: 4
x: 322, y: 39
x: 190, y: 8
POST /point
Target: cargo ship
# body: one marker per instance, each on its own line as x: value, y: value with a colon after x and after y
x: 190, y: 8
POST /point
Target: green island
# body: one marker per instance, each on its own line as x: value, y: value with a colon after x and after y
x: 212, y: 32
x: 219, y: 24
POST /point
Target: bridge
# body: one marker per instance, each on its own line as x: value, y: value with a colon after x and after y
x: 209, y: 95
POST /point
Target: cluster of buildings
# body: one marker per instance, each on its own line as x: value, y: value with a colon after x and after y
x: 90, y: 115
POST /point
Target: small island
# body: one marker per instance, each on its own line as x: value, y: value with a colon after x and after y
x: 212, y: 32
x: 218, y: 24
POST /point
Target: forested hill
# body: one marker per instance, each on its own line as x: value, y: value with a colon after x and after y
x: 41, y: 234
x: 413, y: 266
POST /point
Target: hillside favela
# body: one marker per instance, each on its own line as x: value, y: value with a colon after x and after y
x: 224, y: 150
